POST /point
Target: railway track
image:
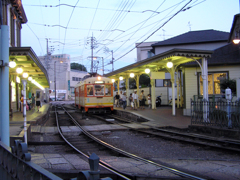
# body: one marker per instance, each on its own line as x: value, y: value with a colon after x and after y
x: 85, y: 143
x: 192, y: 138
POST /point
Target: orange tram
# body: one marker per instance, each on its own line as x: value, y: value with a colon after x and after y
x: 94, y: 95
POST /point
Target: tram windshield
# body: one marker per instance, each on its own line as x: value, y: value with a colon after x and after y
x: 100, y: 90
x: 108, y: 90
x: 90, y: 90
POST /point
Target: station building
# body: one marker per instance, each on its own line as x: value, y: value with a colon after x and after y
x: 194, y: 56
x: 25, y: 59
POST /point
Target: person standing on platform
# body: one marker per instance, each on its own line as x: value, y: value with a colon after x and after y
x: 38, y: 103
x: 124, y: 100
x: 135, y: 99
x: 131, y: 101
x: 142, y: 100
x: 33, y: 101
x: 117, y: 99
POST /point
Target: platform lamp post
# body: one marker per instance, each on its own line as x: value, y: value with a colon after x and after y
x: 24, y: 81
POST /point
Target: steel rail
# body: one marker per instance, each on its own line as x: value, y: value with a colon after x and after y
x: 190, y: 136
x: 172, y: 170
x: 85, y: 155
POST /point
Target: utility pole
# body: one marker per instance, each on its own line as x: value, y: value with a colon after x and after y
x: 92, y: 54
x: 106, y: 50
x: 103, y: 65
x: 93, y: 46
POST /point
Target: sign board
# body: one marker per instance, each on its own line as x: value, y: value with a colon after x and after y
x: 157, y: 75
x: 61, y: 91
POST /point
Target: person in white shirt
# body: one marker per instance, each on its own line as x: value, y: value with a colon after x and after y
x: 135, y: 99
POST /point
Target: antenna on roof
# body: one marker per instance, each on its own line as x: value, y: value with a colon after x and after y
x: 189, y: 25
x: 163, y: 34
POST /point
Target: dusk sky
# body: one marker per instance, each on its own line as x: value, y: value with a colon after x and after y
x: 117, y: 25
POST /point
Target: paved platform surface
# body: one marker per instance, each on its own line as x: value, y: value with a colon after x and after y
x: 159, y: 117
x: 162, y: 116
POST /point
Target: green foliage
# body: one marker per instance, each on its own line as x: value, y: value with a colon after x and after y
x: 228, y: 83
x: 144, y: 81
x: 79, y: 67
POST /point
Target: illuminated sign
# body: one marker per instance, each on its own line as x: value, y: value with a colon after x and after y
x: 99, y: 82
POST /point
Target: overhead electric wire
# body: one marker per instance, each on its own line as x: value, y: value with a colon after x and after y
x: 68, y: 23
x: 116, y: 22
x: 104, y: 9
x: 36, y: 37
x: 113, y: 18
x: 192, y: 5
x: 141, y: 25
x: 154, y: 31
x: 42, y: 19
x: 93, y: 17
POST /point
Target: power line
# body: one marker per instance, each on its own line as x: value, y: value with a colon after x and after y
x: 154, y: 31
x: 36, y: 37
x: 105, y: 9
x: 68, y: 24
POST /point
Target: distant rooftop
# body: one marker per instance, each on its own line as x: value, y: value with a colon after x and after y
x: 193, y: 37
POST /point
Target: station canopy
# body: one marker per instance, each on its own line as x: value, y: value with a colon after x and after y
x: 26, y: 58
x: 159, y: 62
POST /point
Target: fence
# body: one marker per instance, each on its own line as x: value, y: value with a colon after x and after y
x: 216, y: 113
x: 15, y: 164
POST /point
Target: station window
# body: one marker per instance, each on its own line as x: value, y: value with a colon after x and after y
x: 108, y: 90
x: 213, y: 82
x: 89, y: 90
x: 99, y: 90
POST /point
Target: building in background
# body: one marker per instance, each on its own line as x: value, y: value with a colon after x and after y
x: 58, y: 68
x: 75, y: 77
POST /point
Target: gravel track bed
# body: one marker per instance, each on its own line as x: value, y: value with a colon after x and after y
x: 149, y: 148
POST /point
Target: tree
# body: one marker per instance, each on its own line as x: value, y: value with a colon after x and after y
x: 144, y: 81
x: 228, y: 83
x: 79, y: 67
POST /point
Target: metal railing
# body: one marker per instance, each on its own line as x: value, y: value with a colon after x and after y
x: 219, y: 113
x: 15, y: 164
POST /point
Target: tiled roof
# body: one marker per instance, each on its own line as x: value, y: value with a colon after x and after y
x: 225, y: 55
x: 228, y: 54
x: 193, y: 37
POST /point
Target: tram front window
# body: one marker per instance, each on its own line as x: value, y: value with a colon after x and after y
x: 90, y: 90
x: 108, y: 90
x: 99, y: 90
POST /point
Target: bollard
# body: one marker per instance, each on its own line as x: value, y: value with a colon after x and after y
x: 93, y: 173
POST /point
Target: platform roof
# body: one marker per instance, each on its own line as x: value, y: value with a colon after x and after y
x: 28, y: 60
x: 159, y: 62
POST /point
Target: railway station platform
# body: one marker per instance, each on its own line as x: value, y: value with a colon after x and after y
x: 161, y: 117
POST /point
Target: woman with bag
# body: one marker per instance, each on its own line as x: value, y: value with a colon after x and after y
x: 131, y: 101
